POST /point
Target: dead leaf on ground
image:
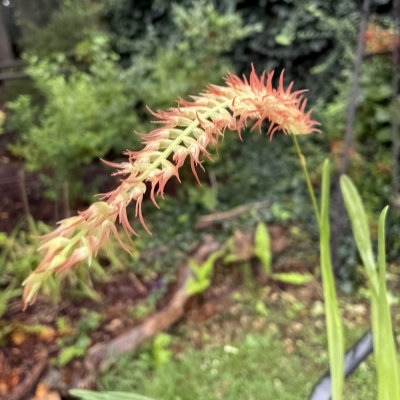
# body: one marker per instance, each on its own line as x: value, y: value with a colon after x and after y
x: 44, y: 393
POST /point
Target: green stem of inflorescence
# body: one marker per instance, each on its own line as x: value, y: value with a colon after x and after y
x: 167, y: 152
x: 307, y: 176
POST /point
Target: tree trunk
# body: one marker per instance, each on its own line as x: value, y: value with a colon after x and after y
x: 6, y: 52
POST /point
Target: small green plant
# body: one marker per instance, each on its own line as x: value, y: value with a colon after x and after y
x: 262, y: 248
x: 161, y: 352
x: 202, y: 274
x: 76, y: 345
x: 19, y: 256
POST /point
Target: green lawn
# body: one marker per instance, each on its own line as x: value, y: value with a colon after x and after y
x: 279, y: 358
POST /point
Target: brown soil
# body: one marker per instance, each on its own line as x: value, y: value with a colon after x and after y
x: 22, y: 349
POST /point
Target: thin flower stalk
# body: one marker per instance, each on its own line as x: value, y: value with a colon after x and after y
x: 303, y: 163
x: 186, y: 132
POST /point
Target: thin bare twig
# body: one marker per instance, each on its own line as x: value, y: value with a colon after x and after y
x: 205, y: 221
x: 22, y: 189
x: 349, y: 133
x: 65, y: 190
x: 351, y: 110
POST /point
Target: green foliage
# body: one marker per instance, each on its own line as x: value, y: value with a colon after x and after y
x: 78, y: 349
x: 374, y: 114
x: 243, y: 165
x: 140, y: 310
x: 384, y: 343
x: 6, y: 295
x: 259, y: 367
x: 333, y: 320
x: 262, y: 247
x: 84, y: 115
x: 161, y: 353
x: 18, y: 257
x: 77, y: 344
x: 261, y: 308
x: 307, y: 38
x: 89, y: 105
x: 371, y: 153
x: 203, y: 195
x: 2, y: 118
x: 202, y: 274
x: 193, y: 53
x: 73, y: 22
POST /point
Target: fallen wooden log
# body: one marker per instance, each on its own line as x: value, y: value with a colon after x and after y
x: 31, y: 380
x: 206, y: 221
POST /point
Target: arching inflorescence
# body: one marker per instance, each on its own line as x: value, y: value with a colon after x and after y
x: 185, y: 132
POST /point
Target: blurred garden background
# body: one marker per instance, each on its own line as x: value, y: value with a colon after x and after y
x: 75, y: 79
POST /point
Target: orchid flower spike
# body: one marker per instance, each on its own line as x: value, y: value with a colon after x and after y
x: 185, y: 132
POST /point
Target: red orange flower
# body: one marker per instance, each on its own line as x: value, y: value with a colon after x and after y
x: 184, y: 132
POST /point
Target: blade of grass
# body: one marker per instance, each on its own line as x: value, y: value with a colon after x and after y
x: 89, y: 395
x: 333, y: 321
x: 387, y: 366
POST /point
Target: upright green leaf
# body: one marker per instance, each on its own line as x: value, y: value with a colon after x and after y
x: 360, y: 227
x: 333, y: 321
x: 262, y: 247
x: 202, y: 274
x: 387, y: 366
x: 384, y: 344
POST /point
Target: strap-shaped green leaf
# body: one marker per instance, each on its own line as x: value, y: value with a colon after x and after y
x: 360, y: 227
x: 333, y: 320
x: 388, y: 367
x: 89, y: 395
